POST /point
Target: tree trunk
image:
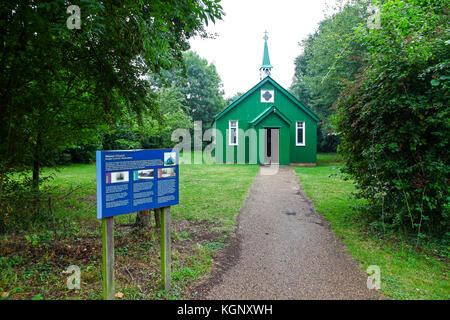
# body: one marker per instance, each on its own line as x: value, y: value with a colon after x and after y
x: 143, y: 219
x: 36, y: 173
x: 158, y: 218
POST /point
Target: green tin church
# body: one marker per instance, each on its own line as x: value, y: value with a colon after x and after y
x: 266, y: 125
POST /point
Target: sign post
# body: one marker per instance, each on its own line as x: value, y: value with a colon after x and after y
x: 130, y: 181
x: 165, y: 247
x: 108, y: 257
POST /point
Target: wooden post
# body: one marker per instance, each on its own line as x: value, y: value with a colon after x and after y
x: 108, y: 257
x: 165, y: 247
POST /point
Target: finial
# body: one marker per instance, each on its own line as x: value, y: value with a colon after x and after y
x: 265, y: 36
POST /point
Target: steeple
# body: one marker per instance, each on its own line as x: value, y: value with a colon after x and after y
x: 266, y: 67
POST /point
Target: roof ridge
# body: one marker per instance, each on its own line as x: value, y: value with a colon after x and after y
x: 277, y: 85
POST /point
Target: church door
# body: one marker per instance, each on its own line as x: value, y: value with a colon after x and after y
x: 272, y: 151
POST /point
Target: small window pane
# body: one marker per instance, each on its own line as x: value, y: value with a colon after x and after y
x: 233, y: 127
x: 233, y: 135
x: 300, y: 136
x: 300, y: 127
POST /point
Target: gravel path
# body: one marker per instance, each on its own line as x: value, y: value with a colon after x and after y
x: 287, y: 250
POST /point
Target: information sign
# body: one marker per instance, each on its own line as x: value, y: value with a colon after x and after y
x: 135, y: 180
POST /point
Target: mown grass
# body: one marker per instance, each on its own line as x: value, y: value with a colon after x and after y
x: 407, y: 272
x: 32, y: 263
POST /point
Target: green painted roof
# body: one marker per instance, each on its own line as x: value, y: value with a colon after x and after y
x: 268, y: 112
x: 266, y: 60
x: 276, y: 85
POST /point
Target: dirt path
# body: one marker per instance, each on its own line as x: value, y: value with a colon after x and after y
x: 285, y: 250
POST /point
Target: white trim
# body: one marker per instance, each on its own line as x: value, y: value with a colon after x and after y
x: 237, y: 133
x: 296, y: 134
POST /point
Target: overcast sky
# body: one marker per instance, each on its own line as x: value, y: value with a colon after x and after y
x: 237, y: 51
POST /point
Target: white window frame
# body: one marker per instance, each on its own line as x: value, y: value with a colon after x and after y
x: 237, y: 133
x: 296, y: 133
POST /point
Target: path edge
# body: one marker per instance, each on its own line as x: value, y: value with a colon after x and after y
x: 226, y: 258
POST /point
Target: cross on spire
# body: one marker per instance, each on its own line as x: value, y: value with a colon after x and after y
x: 265, y: 36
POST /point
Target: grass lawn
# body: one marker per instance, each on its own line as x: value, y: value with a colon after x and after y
x: 32, y: 264
x: 406, y: 272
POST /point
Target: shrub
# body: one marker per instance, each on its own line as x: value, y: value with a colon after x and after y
x: 394, y: 121
x: 21, y: 206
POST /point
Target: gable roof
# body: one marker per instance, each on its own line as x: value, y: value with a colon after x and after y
x: 268, y: 112
x: 276, y: 85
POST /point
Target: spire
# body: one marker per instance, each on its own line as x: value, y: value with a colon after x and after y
x: 266, y: 67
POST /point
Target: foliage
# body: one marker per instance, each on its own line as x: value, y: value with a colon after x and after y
x: 201, y: 86
x: 59, y: 85
x: 121, y: 137
x: 203, y: 89
x: 80, y: 153
x: 152, y: 131
x: 234, y: 98
x: 175, y: 114
x: 63, y: 87
x: 18, y: 200
x: 172, y: 111
x: 329, y: 59
x: 395, y: 119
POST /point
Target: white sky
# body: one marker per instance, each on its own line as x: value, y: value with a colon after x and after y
x: 237, y: 51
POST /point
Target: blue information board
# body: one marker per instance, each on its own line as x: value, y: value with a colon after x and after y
x: 134, y: 180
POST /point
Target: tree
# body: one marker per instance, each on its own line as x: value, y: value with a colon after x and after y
x: 157, y: 131
x: 62, y: 86
x: 330, y: 58
x: 203, y: 89
x: 174, y: 114
x: 234, y: 98
x: 394, y: 119
x: 201, y: 86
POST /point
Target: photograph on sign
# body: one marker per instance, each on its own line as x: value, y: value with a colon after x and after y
x: 145, y: 174
x: 166, y: 172
x: 170, y: 158
x: 118, y: 177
